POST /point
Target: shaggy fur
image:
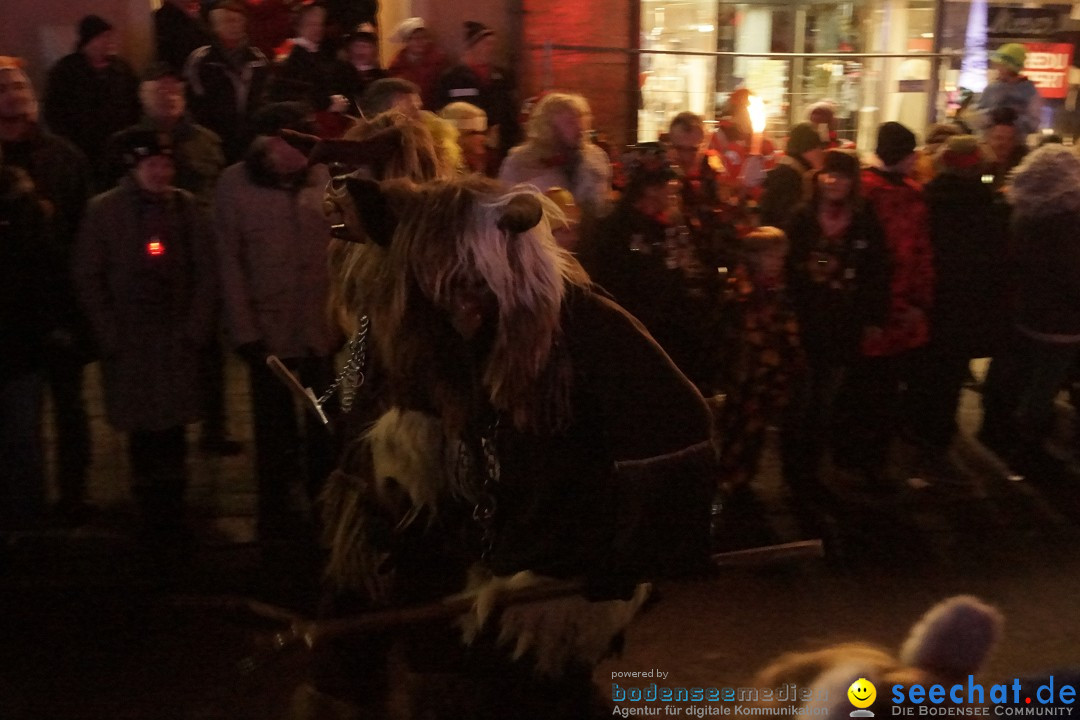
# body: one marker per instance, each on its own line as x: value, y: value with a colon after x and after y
x: 418, y: 155
x: 1047, y: 182
x: 555, y: 632
x: 952, y: 640
x: 447, y: 234
x: 543, y: 143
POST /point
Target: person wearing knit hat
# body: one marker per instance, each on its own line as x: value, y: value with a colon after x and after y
x: 1010, y: 88
x: 838, y: 275
x: 873, y: 385
x: 789, y: 183
x: 478, y: 80
x: 895, y: 144
x: 360, y: 67
x: 143, y: 269
x: 91, y: 94
x: 421, y: 61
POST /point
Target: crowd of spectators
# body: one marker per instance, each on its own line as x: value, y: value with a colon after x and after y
x: 838, y: 298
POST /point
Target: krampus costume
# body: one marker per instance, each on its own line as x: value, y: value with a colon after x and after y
x: 527, y: 429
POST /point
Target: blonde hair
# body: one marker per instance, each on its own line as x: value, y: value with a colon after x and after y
x: 542, y: 120
x: 465, y: 117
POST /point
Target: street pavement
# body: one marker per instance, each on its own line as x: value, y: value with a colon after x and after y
x: 91, y: 632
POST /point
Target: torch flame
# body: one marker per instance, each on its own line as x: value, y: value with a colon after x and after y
x: 756, y: 108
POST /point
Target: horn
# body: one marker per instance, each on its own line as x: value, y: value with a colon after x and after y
x: 376, y: 149
x: 372, y: 209
x: 521, y: 214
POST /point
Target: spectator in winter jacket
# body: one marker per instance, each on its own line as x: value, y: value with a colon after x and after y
x: 790, y: 182
x: 559, y: 154
x: 1025, y: 376
x: 227, y: 79
x: 421, y: 61
x: 479, y: 81
x: 61, y: 177
x: 360, y: 68
x: 871, y: 391
x: 197, y: 156
x: 306, y: 73
x: 198, y: 162
x: 272, y: 240
x: 28, y: 322
x: 1010, y: 89
x: 838, y: 277
x: 179, y: 31
x: 969, y: 224
x: 91, y: 93
x: 144, y: 272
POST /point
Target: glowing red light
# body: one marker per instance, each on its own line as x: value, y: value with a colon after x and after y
x: 154, y: 248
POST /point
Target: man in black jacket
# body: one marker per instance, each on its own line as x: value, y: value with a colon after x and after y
x: 227, y: 79
x: 479, y: 81
x: 62, y: 178
x: 179, y: 31
x: 92, y: 93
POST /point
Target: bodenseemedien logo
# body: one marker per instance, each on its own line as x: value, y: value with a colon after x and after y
x: 862, y: 695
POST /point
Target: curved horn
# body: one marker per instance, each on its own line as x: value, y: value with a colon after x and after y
x: 521, y: 214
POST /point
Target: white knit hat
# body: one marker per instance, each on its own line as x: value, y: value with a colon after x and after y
x: 407, y: 27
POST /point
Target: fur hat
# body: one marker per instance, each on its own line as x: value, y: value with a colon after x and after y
x: 804, y: 138
x: 1011, y: 55
x: 90, y: 27
x: 1047, y: 182
x: 406, y: 28
x: 894, y: 143
x: 475, y: 32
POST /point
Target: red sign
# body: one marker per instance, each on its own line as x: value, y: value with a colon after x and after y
x: 1047, y: 65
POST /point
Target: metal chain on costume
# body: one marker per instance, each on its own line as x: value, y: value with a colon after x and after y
x: 484, y: 511
x: 351, y: 376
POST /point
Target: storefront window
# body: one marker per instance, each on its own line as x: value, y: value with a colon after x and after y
x: 793, y: 54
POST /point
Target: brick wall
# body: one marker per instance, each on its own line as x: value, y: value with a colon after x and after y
x: 603, y: 78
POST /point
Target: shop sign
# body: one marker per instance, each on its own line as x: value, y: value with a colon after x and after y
x: 1047, y: 65
x: 1007, y: 22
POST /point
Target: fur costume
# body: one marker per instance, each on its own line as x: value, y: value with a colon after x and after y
x: 528, y: 429
x: 952, y: 640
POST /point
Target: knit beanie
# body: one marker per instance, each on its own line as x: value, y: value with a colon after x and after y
x: 894, y: 143
x: 475, y: 32
x: 90, y: 27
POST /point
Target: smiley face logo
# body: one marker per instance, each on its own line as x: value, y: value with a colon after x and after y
x: 862, y: 693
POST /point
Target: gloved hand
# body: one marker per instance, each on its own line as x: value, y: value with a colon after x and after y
x: 253, y: 353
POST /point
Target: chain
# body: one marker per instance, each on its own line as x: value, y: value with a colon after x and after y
x: 484, y: 511
x: 351, y: 376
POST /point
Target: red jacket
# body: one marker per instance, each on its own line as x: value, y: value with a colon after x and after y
x: 902, y: 211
